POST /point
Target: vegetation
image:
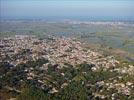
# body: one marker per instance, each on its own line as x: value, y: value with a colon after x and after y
x: 80, y: 83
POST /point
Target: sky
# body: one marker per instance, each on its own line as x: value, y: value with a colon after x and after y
x: 92, y: 9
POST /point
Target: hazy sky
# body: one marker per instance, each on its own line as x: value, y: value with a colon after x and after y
x: 122, y: 9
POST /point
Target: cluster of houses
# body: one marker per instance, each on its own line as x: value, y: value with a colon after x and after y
x: 20, y: 49
x: 57, y: 50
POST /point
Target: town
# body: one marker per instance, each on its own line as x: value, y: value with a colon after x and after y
x: 52, y: 66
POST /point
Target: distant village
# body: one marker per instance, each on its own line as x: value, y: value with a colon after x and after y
x: 56, y: 50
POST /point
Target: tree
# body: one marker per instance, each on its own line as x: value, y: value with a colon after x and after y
x: 32, y: 93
